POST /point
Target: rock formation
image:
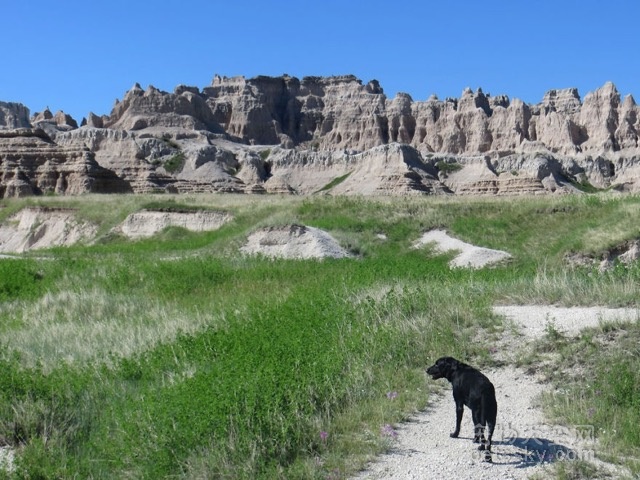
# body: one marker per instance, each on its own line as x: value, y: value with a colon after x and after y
x: 295, y: 242
x: 32, y: 164
x: 13, y: 115
x: 147, y: 223
x: 34, y: 228
x: 387, y: 169
x: 329, y: 134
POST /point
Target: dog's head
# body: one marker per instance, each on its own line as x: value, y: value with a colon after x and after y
x: 443, y: 368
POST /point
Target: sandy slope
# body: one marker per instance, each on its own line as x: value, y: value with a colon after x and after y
x: 468, y: 256
x: 34, y: 228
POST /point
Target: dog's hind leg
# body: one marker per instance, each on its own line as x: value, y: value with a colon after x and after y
x: 486, y: 417
x: 489, y: 414
x: 478, y: 427
x: 491, y: 425
x: 478, y: 436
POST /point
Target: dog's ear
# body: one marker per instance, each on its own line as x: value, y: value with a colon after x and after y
x: 450, y: 364
x: 449, y: 361
x: 454, y: 364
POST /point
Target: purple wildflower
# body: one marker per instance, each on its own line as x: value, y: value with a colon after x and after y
x: 389, y: 431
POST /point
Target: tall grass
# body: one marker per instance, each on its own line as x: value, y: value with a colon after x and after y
x: 177, y: 357
x: 94, y: 325
x: 619, y: 287
x: 598, y: 380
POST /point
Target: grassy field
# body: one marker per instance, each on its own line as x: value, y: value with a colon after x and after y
x: 176, y: 357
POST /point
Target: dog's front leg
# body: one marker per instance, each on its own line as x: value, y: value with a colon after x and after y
x: 459, y: 411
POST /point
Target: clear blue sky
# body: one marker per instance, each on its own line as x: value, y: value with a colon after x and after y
x: 80, y: 55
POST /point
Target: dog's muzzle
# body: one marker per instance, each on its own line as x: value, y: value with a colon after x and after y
x: 434, y: 372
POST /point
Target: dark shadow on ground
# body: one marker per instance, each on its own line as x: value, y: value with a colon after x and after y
x: 534, y: 451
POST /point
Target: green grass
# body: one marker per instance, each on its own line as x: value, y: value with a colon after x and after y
x: 448, y: 167
x: 264, y: 154
x: 598, y: 385
x: 574, y: 470
x: 176, y: 357
x: 334, y: 182
x: 175, y: 163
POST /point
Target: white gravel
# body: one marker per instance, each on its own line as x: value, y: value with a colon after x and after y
x: 295, y: 242
x: 524, y: 443
x: 6, y: 459
x: 469, y: 256
x: 533, y: 321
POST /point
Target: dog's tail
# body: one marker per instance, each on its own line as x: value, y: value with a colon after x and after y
x: 489, y: 413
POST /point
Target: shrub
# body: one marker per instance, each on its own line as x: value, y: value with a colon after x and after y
x: 264, y: 154
x: 175, y: 164
x: 334, y: 182
x: 448, y: 167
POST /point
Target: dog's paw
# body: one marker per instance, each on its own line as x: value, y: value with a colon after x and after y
x: 454, y: 434
x: 487, y: 457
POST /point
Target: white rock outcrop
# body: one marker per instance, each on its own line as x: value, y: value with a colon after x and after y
x: 147, y: 223
x: 293, y: 242
x: 37, y: 228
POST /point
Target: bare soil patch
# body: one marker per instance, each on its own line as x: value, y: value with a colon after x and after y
x: 294, y: 242
x: 149, y: 222
x: 36, y: 228
x: 469, y: 256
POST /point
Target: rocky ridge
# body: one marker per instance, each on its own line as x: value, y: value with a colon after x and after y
x: 324, y: 134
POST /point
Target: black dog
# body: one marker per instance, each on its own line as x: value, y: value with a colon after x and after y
x: 473, y: 389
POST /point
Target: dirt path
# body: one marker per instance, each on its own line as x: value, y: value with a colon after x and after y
x: 524, y: 444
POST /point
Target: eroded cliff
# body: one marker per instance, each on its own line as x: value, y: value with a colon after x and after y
x: 324, y: 134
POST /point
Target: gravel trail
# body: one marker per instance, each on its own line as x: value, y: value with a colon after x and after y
x: 524, y: 444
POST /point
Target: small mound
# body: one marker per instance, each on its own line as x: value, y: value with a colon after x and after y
x: 149, y: 222
x: 293, y: 242
x: 470, y: 256
x: 35, y: 228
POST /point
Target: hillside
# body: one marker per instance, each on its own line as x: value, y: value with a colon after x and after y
x: 261, y: 337
x: 336, y: 135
